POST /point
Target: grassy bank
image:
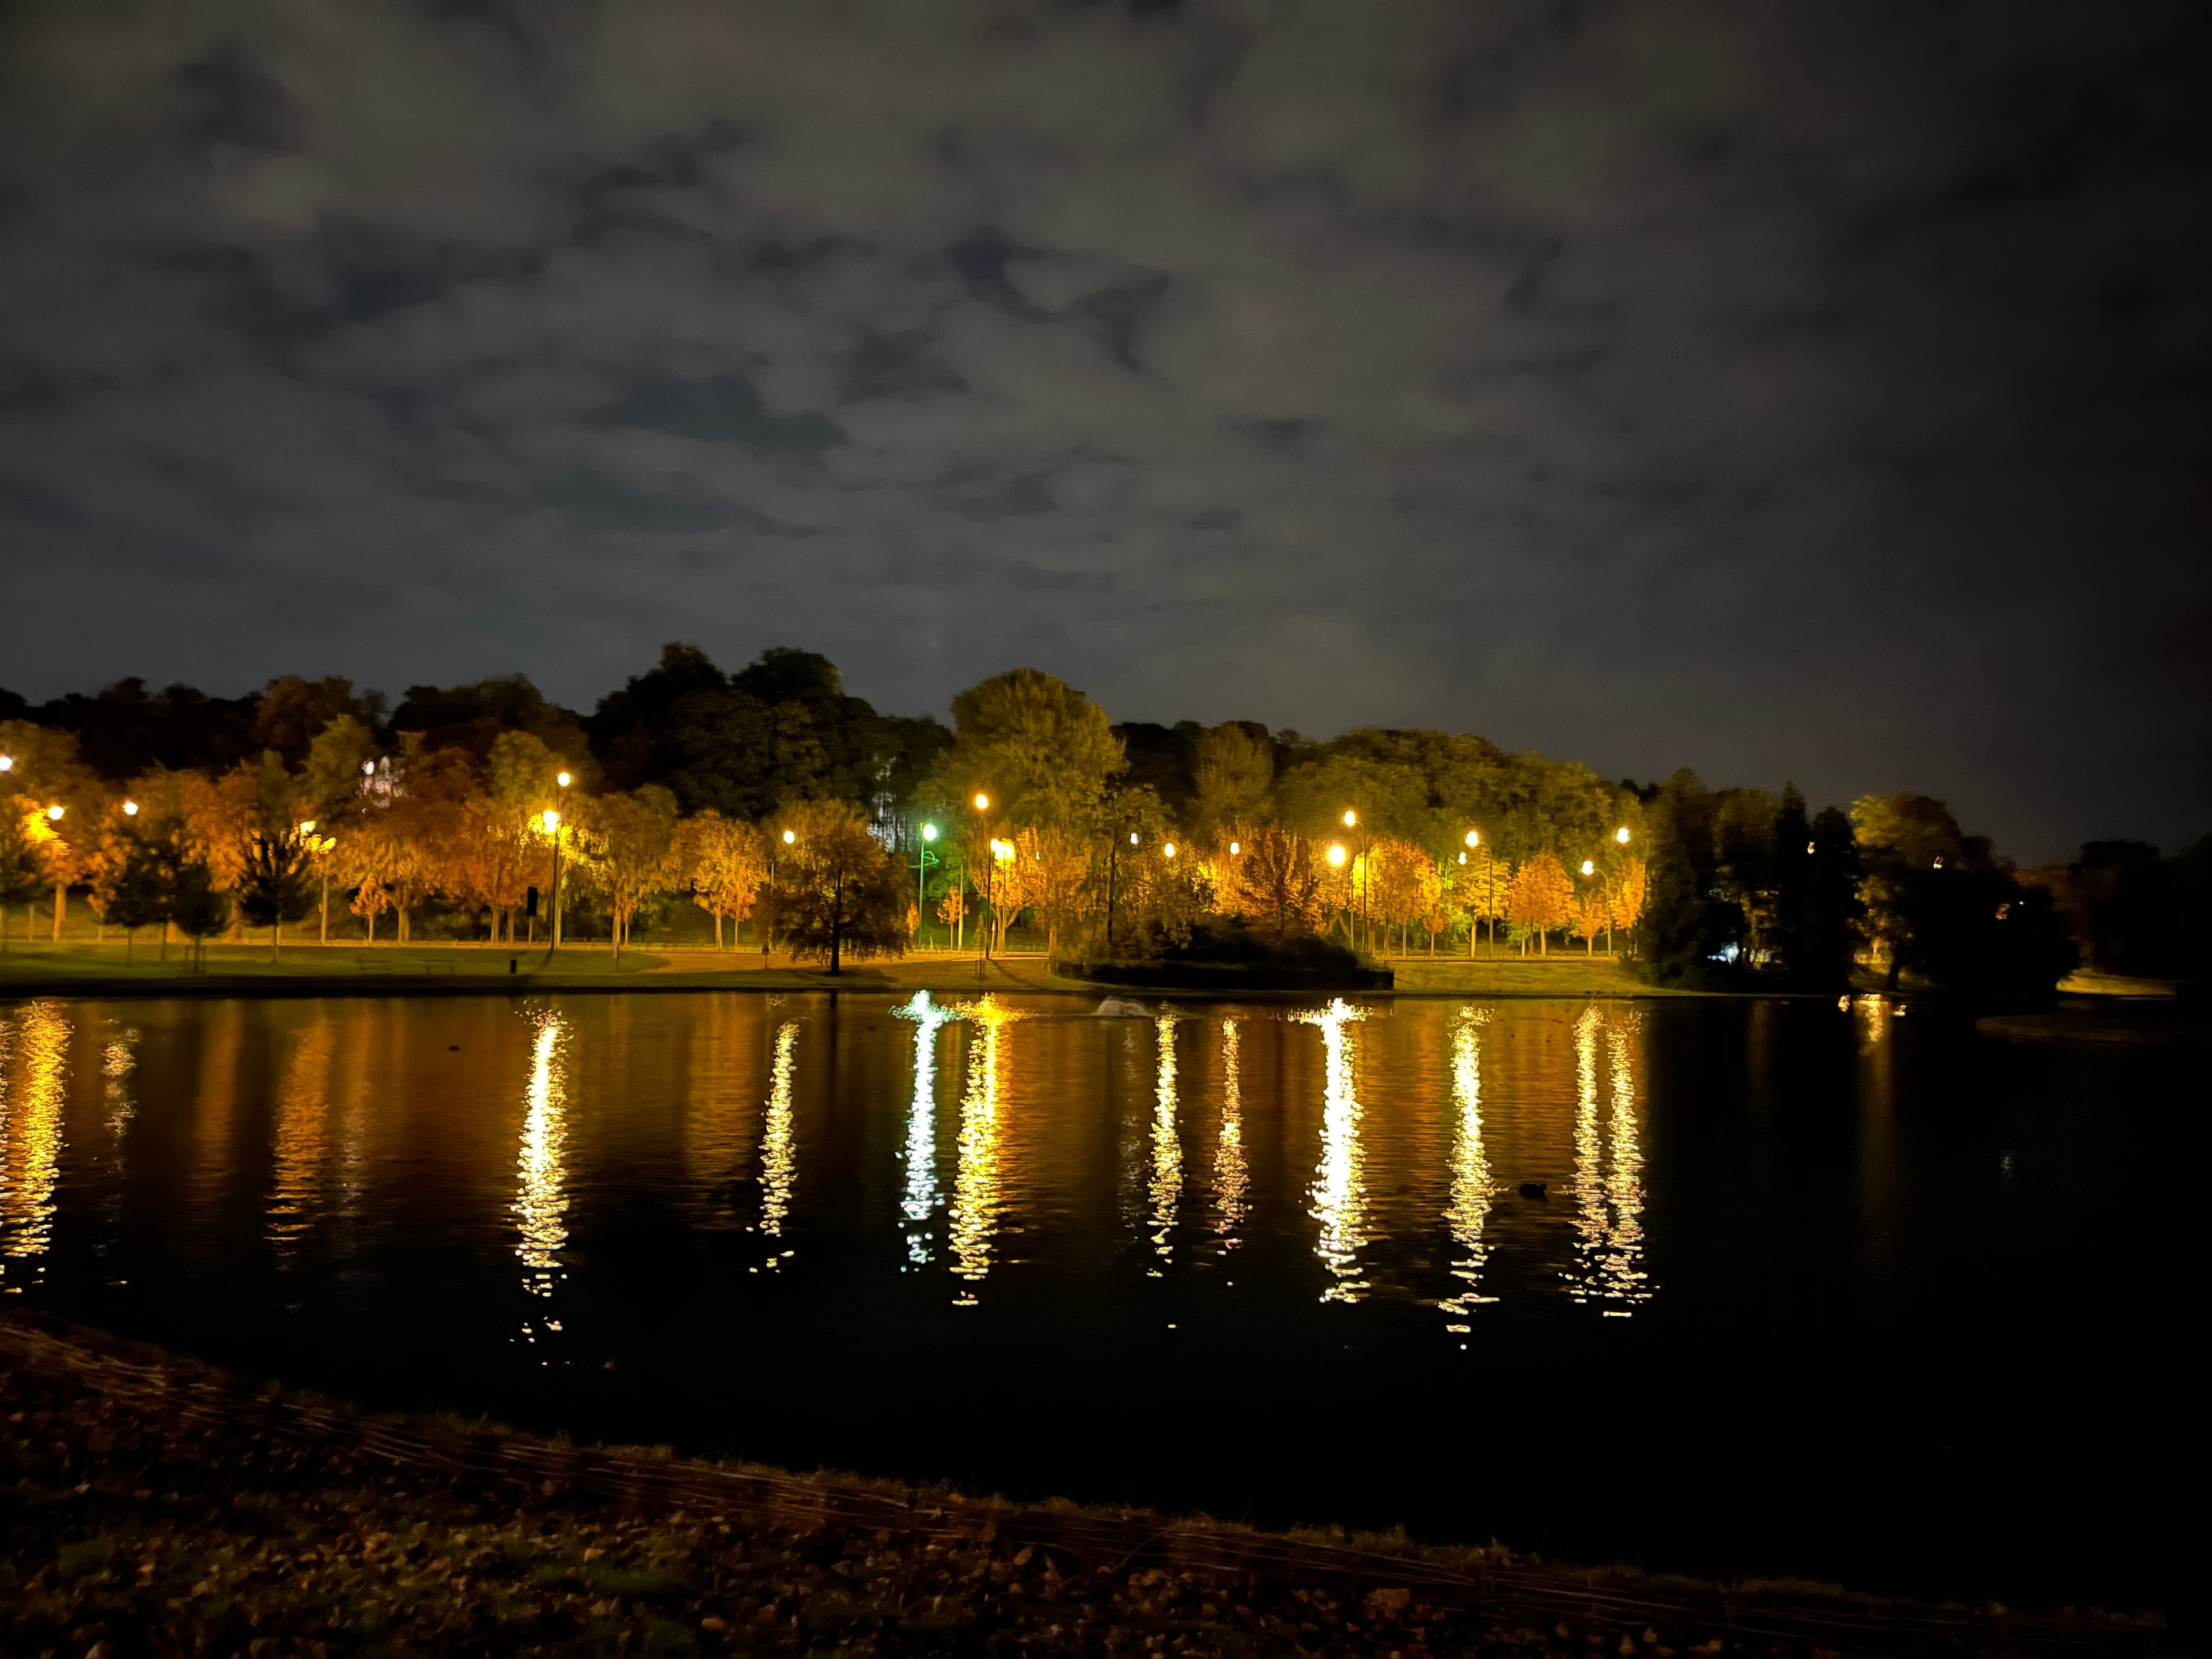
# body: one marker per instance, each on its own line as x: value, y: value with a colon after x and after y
x: 148, y: 1505
x: 82, y: 967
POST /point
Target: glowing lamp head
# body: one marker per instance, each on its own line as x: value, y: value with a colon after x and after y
x: 130, y: 809
x: 929, y: 832
x: 307, y: 826
x: 983, y: 802
x: 1336, y: 857
x: 1463, y: 858
x: 1621, y: 834
x: 1133, y: 838
x: 1474, y: 838
x: 1351, y: 819
x: 369, y: 769
x: 1234, y: 850
x: 551, y: 820
x: 561, y: 778
x: 789, y: 836
x: 7, y: 762
x: 1588, y: 867
x: 57, y: 813
x: 1169, y: 849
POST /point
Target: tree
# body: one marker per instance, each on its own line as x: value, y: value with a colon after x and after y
x: 1272, y: 882
x: 726, y: 864
x: 1540, y: 897
x: 627, y: 852
x: 274, y: 888
x: 22, y: 876
x: 841, y: 891
x: 1625, y: 897
x: 1232, y: 768
x: 199, y: 909
x: 1042, y: 750
x: 127, y: 888
x: 1593, y: 915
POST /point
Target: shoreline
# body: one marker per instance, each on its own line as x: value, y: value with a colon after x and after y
x: 82, y: 970
x: 158, y: 1503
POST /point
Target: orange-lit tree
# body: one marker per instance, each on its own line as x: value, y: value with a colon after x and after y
x: 1540, y: 897
x: 724, y: 863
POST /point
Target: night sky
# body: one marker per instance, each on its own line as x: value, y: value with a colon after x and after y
x: 1812, y: 390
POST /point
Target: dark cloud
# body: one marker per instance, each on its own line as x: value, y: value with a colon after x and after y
x: 1800, y: 390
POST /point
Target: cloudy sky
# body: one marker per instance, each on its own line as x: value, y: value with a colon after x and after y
x: 1784, y: 389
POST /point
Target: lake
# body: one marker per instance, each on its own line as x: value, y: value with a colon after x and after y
x: 1840, y: 1290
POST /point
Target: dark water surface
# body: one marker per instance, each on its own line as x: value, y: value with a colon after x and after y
x: 1817, y: 1289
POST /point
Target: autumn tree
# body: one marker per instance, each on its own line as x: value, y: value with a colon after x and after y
x: 1593, y: 915
x: 1271, y: 881
x: 22, y: 876
x: 724, y: 863
x: 1625, y: 896
x: 626, y: 852
x: 1540, y: 897
x: 841, y: 891
x: 1038, y: 747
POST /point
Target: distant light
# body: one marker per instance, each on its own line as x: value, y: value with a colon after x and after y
x: 1351, y: 817
x: 789, y: 836
x: 983, y: 803
x: 1235, y: 851
x: 369, y: 769
x: 1170, y: 849
x: 1133, y: 838
x: 1473, y: 839
x: 1588, y: 868
x: 561, y: 778
x: 130, y: 809
x: 57, y: 813
x: 1463, y: 858
x: 552, y: 820
x: 7, y: 762
x: 307, y: 827
x: 1809, y: 846
x: 1336, y: 856
x: 1621, y: 834
x: 1939, y: 863
x: 929, y: 832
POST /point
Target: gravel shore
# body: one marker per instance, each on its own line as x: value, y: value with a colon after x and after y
x: 151, y: 1506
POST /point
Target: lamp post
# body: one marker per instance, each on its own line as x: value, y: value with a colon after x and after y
x: 982, y: 805
x: 1367, y: 863
x: 923, y: 858
x: 55, y: 814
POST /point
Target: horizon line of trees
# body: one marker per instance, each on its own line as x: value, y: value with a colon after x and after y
x: 770, y: 796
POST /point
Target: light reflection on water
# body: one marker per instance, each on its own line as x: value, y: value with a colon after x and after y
x: 1471, y: 1186
x: 1167, y: 1145
x: 1339, y: 1186
x: 1232, y: 1178
x: 541, y: 1199
x: 779, y: 1157
x: 34, y: 1050
x: 556, y: 1211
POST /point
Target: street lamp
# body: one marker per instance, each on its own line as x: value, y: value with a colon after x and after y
x: 983, y: 804
x: 7, y: 762
x: 551, y: 821
x: 57, y: 813
x: 1235, y: 851
x: 1621, y: 834
x: 1366, y: 854
x: 923, y: 858
x: 130, y: 809
x: 1473, y: 839
x: 1588, y: 868
x: 1336, y: 854
x: 790, y: 836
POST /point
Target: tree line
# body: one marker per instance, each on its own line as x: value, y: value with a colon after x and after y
x: 785, y: 808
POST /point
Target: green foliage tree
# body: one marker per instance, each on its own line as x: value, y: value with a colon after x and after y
x: 1042, y: 751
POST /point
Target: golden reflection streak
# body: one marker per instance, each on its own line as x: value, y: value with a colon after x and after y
x: 1624, y: 1279
x: 541, y: 1201
x: 921, y: 1196
x: 1340, y: 1188
x: 1608, y: 1183
x: 1472, y: 1188
x: 1167, y: 1148
x: 34, y: 1130
x: 1232, y: 1179
x: 117, y: 1061
x: 974, y: 1211
x: 1588, y: 1187
x: 302, y: 1115
x: 779, y: 1159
